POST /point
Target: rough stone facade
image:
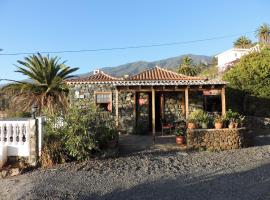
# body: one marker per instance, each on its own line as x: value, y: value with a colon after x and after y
x: 217, y: 139
x: 253, y: 122
x: 86, y: 92
x: 173, y: 106
x: 143, y: 112
x: 126, y: 104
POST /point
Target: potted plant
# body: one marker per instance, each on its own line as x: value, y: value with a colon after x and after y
x: 192, y: 123
x: 180, y: 137
x: 204, y: 120
x: 240, y: 121
x: 231, y: 124
x: 219, y: 122
x: 194, y: 118
x: 231, y: 118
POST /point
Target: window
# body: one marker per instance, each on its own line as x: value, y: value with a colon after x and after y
x: 104, y: 100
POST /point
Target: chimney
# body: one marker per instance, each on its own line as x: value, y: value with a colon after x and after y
x: 126, y: 76
x: 96, y: 71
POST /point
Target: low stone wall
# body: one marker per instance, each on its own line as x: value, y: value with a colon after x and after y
x: 253, y: 122
x: 217, y: 139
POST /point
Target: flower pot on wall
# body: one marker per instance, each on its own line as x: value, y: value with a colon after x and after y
x: 218, y: 125
x: 204, y: 125
x: 191, y: 125
x: 231, y: 125
x: 180, y: 140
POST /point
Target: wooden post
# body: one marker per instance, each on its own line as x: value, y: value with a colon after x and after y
x: 223, y: 101
x: 162, y: 106
x: 153, y: 115
x: 134, y: 110
x: 116, y: 108
x: 186, y: 102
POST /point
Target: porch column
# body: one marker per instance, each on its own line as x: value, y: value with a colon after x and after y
x: 116, y: 108
x: 223, y: 101
x: 186, y: 102
x: 154, y: 114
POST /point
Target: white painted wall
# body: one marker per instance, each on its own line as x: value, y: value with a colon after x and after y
x: 15, y: 135
x: 226, y: 58
x: 3, y: 155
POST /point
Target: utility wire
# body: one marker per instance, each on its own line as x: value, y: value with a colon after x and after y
x: 127, y: 47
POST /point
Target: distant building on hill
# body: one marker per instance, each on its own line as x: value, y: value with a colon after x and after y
x: 229, y: 57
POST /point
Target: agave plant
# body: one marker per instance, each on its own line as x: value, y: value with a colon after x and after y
x: 46, y: 86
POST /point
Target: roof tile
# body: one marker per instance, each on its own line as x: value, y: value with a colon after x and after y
x: 158, y: 73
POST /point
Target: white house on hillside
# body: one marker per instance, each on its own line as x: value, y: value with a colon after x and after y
x: 227, y: 58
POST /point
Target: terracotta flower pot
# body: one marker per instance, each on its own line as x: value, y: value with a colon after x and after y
x: 180, y: 140
x: 231, y: 125
x: 218, y: 125
x: 191, y: 125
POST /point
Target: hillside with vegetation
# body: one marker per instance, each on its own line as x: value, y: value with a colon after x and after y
x: 139, y: 66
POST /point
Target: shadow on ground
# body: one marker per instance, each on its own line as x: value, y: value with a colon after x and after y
x: 261, y: 137
x: 248, y: 185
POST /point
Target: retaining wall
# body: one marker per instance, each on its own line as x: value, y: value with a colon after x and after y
x: 217, y: 139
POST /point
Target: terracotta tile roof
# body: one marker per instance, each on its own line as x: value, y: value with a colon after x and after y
x: 98, y: 77
x: 158, y: 73
x: 154, y: 76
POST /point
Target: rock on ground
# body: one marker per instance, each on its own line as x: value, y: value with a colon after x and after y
x: 234, y: 174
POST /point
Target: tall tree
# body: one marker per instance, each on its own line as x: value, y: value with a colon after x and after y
x: 242, y: 42
x: 187, y: 68
x: 46, y: 88
x: 251, y: 74
x: 263, y: 33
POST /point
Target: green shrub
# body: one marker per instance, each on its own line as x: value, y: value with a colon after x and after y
x: 81, y: 132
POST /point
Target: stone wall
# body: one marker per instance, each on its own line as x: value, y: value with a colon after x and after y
x: 173, y: 106
x: 143, y: 112
x: 254, y: 122
x: 126, y: 106
x: 79, y: 92
x: 217, y: 139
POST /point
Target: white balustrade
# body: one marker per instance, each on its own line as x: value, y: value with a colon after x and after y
x: 14, y: 135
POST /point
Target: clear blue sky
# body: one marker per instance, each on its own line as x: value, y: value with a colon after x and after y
x: 52, y: 25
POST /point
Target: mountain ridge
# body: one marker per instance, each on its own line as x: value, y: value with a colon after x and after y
x: 138, y: 66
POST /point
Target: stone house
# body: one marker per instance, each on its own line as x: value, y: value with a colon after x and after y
x: 141, y: 102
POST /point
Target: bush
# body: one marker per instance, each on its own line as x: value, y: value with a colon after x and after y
x: 251, y: 74
x: 81, y: 132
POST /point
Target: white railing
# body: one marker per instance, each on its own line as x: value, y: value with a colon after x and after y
x: 15, y: 135
x: 21, y: 138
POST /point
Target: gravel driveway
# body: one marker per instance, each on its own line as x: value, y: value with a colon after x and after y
x: 235, y: 174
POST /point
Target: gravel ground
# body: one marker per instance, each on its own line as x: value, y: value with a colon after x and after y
x: 235, y: 174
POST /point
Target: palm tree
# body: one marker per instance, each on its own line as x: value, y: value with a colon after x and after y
x: 242, y: 42
x: 263, y: 33
x: 46, y: 87
x: 187, y: 68
x: 187, y: 61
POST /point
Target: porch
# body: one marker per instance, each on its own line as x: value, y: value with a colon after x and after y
x: 137, y: 143
x: 145, y: 109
